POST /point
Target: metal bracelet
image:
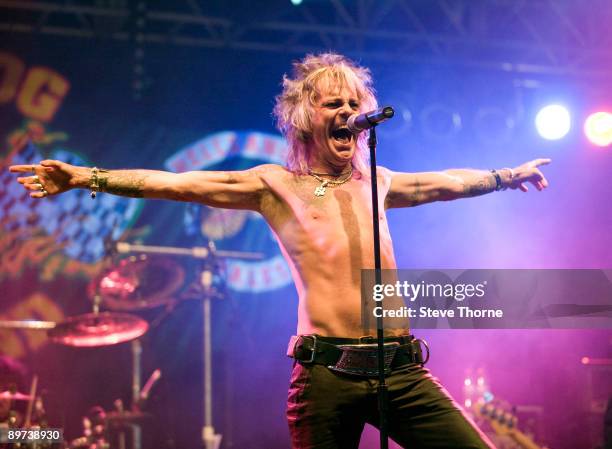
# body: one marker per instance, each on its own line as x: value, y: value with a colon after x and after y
x: 94, y: 183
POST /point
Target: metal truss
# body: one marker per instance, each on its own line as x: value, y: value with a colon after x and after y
x: 525, y: 36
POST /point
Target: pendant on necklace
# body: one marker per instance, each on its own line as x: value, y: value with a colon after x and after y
x: 320, y: 190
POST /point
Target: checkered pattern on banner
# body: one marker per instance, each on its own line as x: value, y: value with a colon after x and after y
x: 77, y: 221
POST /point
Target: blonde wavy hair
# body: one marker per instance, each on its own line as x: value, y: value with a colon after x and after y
x: 294, y: 106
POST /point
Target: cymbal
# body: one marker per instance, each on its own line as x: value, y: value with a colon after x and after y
x: 138, y: 283
x: 15, y: 396
x: 98, y: 329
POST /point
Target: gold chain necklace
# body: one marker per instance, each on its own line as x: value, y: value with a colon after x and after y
x: 322, y: 188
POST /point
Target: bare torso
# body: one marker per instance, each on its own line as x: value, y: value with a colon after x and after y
x: 327, y: 240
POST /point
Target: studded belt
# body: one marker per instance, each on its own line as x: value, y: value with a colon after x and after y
x: 357, y: 356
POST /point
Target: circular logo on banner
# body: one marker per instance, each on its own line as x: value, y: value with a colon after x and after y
x: 236, y: 230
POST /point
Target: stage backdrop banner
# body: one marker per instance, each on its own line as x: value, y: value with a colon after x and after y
x: 53, y: 250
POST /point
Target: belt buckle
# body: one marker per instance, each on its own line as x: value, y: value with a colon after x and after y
x: 313, y: 351
x: 362, y: 359
x: 419, y: 342
x: 367, y: 339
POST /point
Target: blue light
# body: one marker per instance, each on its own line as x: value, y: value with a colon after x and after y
x: 553, y: 122
x: 296, y: 2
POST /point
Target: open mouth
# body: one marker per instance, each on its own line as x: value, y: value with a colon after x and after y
x: 342, y: 135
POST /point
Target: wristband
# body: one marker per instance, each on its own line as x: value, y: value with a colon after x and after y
x: 498, y: 181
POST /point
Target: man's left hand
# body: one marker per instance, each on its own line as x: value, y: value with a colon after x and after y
x: 529, y: 172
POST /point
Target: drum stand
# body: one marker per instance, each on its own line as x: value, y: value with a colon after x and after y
x: 136, y: 373
x: 204, y: 291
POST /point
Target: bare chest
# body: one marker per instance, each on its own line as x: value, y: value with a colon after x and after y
x: 334, y: 221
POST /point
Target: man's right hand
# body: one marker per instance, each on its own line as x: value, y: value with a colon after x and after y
x: 50, y: 177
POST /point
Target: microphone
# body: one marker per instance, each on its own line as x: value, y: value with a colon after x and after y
x: 360, y: 122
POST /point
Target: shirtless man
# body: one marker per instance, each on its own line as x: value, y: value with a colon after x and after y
x: 319, y: 207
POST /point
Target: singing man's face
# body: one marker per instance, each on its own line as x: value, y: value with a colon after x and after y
x: 332, y: 142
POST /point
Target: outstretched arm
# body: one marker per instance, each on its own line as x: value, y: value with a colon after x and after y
x: 230, y: 189
x: 412, y: 189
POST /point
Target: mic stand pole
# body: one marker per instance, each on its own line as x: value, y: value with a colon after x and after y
x: 382, y: 385
x: 210, y: 439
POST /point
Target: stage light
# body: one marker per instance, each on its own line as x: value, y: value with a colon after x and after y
x: 553, y: 122
x: 296, y: 2
x: 598, y: 128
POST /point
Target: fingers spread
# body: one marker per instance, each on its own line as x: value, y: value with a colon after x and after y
x: 523, y: 187
x: 34, y: 182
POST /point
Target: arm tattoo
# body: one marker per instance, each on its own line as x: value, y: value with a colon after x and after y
x: 480, y: 186
x: 123, y: 183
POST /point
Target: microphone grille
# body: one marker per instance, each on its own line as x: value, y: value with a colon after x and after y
x: 350, y: 124
x: 388, y: 112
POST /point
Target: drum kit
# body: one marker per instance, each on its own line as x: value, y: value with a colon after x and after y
x: 145, y: 280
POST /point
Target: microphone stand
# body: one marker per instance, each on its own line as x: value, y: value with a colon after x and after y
x: 382, y: 385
